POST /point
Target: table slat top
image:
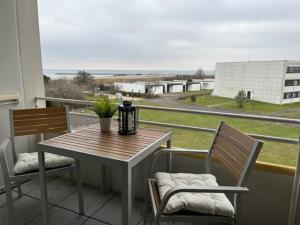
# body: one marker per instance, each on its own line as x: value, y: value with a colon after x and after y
x: 90, y: 140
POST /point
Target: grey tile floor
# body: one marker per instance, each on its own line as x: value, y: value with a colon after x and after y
x: 63, y: 208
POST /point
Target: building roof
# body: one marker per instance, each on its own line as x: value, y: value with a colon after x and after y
x: 283, y: 60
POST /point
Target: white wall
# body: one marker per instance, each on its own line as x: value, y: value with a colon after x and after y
x: 131, y: 87
x: 20, y: 61
x: 193, y: 87
x: 291, y: 76
x: 157, y: 90
x: 176, y: 88
x: 207, y: 85
x: 265, y: 79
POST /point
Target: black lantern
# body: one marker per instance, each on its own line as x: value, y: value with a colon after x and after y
x: 127, y: 118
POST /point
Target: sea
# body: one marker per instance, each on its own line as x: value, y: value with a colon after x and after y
x: 70, y: 73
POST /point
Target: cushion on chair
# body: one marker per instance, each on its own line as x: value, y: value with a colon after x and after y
x: 207, y: 203
x: 27, y: 162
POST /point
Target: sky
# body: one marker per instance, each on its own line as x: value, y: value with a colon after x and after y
x: 166, y: 34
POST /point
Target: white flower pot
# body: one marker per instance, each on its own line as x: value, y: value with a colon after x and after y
x: 105, y: 124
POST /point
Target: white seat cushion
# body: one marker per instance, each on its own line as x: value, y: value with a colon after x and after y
x: 207, y: 203
x: 27, y: 162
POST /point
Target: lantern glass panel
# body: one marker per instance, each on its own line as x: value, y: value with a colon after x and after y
x: 127, y: 118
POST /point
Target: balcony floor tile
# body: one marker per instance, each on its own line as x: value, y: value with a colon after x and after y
x: 100, y: 209
x: 94, y: 222
x: 33, y: 184
x: 111, y: 212
x: 59, y: 216
x: 58, y: 189
x: 3, y: 198
x: 26, y: 209
x: 93, y: 200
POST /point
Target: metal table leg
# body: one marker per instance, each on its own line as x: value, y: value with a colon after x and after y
x: 126, y: 195
x: 105, y: 179
x: 133, y: 174
x: 79, y: 188
x: 43, y: 184
x: 169, y: 157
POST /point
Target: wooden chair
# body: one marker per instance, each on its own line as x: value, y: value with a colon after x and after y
x: 30, y: 122
x: 236, y: 151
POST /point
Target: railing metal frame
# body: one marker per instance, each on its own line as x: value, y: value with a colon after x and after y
x: 10, y: 102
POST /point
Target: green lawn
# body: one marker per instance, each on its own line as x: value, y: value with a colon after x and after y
x: 272, y: 152
x: 251, y: 106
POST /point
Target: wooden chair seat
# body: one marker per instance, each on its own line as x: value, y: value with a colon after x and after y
x: 182, y: 215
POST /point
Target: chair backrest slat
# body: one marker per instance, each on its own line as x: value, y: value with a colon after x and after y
x: 235, y: 150
x: 36, y: 121
x: 40, y: 120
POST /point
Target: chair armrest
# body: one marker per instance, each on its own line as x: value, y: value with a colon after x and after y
x: 183, y: 150
x: 172, y: 150
x: 204, y: 189
x: 3, y: 160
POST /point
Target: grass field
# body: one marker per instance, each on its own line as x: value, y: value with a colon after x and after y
x: 251, y: 106
x: 272, y: 152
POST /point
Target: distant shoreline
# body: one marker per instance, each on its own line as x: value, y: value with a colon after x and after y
x: 129, y: 77
x: 110, y: 76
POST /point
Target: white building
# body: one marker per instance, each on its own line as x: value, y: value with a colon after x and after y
x: 193, y: 86
x: 134, y: 87
x: 275, y: 82
x: 208, y: 84
x: 175, y: 87
x: 140, y: 87
x: 154, y: 88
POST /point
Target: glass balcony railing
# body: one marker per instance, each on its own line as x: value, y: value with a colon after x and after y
x: 195, y: 128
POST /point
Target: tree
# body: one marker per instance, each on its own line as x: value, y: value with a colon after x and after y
x: 240, y: 98
x: 199, y: 73
x: 84, y: 78
x: 46, y: 79
x: 63, y: 89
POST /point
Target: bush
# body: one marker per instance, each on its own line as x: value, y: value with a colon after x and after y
x: 240, y: 98
x: 62, y: 88
x: 193, y: 98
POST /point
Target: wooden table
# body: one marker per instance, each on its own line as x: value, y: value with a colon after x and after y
x: 109, y: 149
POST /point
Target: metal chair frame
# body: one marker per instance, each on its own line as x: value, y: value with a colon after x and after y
x: 10, y: 178
x: 196, y: 217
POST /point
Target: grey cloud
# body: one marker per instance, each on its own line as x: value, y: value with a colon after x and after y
x: 167, y: 33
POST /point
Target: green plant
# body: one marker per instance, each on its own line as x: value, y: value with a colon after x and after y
x: 104, y: 107
x: 193, y: 98
x: 240, y: 98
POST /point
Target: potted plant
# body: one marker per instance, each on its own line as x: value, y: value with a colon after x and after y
x: 105, y: 109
